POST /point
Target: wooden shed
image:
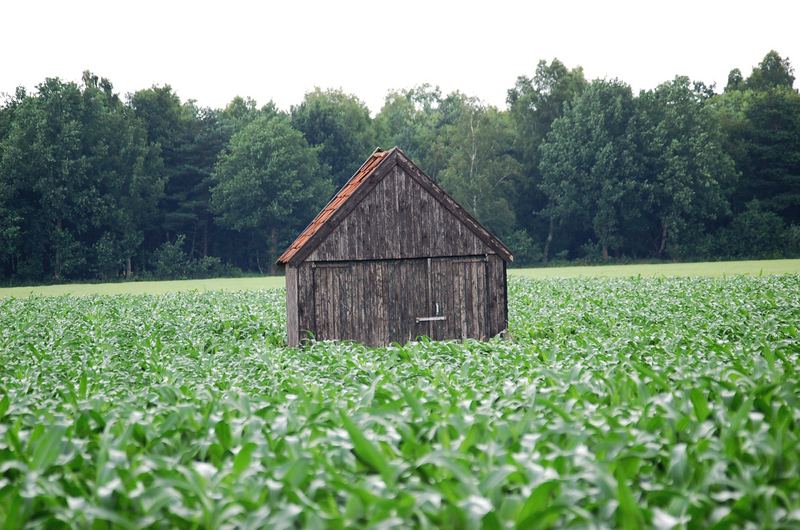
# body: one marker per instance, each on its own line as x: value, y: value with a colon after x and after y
x: 393, y: 257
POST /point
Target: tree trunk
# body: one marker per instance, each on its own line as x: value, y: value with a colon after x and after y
x: 258, y: 264
x: 205, y: 238
x: 194, y: 239
x: 549, y: 239
x: 57, y: 256
x: 605, y: 252
x: 273, y: 250
x: 128, y: 268
x: 663, y: 244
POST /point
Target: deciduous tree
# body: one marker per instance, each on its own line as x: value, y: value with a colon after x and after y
x: 340, y: 125
x: 268, y: 183
x: 685, y: 175
x: 588, y: 161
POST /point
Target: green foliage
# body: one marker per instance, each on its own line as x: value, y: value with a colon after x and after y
x: 92, y: 186
x: 626, y: 403
x: 770, y: 152
x: 755, y: 232
x: 480, y: 168
x: 268, y: 183
x: 526, y: 249
x: 340, y: 125
x: 171, y: 262
x: 412, y: 119
x: 534, y: 104
x: 773, y: 71
x: 588, y: 164
x: 170, y: 259
x: 684, y: 173
x: 75, y: 167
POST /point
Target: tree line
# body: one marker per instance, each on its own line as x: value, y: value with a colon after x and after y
x: 97, y: 186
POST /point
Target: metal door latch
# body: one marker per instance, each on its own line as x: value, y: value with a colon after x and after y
x: 430, y: 319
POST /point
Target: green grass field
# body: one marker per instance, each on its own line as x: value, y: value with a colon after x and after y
x: 613, y: 403
x: 706, y: 269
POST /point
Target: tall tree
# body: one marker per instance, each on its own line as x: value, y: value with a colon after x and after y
x: 685, y: 174
x: 761, y: 126
x: 588, y: 164
x: 771, y: 160
x: 239, y: 112
x: 480, y: 168
x: 412, y: 120
x: 9, y: 212
x: 340, y: 125
x: 268, y: 183
x: 79, y: 168
x: 169, y: 125
x: 534, y: 103
x: 773, y: 71
x: 735, y: 80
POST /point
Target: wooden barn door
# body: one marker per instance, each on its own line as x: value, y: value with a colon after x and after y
x: 374, y: 302
x: 459, y: 298
x: 334, y: 284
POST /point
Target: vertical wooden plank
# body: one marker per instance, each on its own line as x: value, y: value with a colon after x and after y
x: 470, y: 296
x: 356, y: 235
x: 445, y: 307
x: 406, y: 217
x: 394, y: 273
x: 305, y: 300
x: 378, y: 236
x: 370, y: 302
x: 375, y: 331
x: 330, y: 304
x: 319, y: 301
x: 393, y: 207
x: 341, y: 303
x: 428, y: 296
x: 443, y: 288
x: 477, y: 301
x: 496, y: 299
x: 462, y: 300
x: 324, y: 290
x: 360, y: 279
x: 292, y: 331
x: 382, y: 317
x: 484, y: 301
x: 418, y: 209
x: 456, y: 315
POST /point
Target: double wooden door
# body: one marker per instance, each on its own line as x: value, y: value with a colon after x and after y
x: 384, y: 301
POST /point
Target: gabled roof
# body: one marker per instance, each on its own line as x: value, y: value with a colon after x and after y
x: 375, y: 168
x: 322, y: 217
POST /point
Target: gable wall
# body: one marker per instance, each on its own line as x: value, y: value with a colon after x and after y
x: 399, y: 219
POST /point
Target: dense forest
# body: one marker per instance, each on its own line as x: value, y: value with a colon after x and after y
x: 98, y: 186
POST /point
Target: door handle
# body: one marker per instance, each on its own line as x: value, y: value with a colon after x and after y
x: 430, y: 319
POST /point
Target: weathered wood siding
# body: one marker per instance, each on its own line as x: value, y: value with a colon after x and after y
x: 497, y: 296
x: 305, y: 300
x: 399, y: 219
x: 378, y: 302
x: 458, y: 288
x: 292, y: 324
x: 374, y: 302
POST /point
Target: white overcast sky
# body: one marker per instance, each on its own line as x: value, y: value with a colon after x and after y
x: 212, y: 52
